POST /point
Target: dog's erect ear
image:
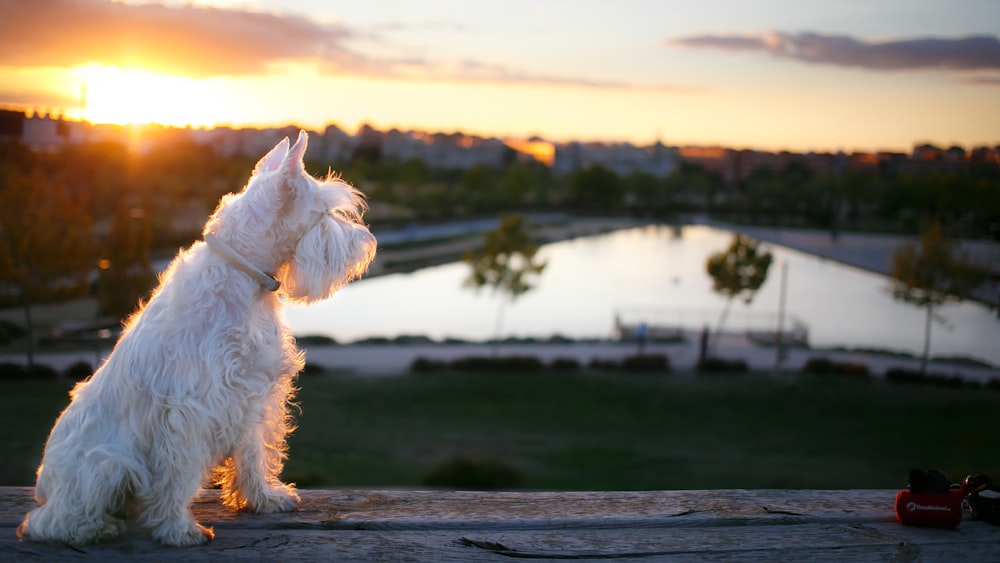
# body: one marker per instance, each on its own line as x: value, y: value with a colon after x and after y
x: 291, y: 169
x: 293, y: 161
x: 273, y: 159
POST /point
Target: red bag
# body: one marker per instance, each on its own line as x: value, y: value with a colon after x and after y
x: 938, y: 510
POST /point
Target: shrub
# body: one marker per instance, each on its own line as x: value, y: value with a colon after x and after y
x: 12, y: 371
x: 564, y: 364
x: 646, y: 363
x: 854, y: 369
x: 825, y: 366
x: 819, y: 366
x: 505, y: 363
x: 603, y: 364
x: 79, y: 370
x: 427, y: 365
x: 721, y: 365
x: 467, y: 473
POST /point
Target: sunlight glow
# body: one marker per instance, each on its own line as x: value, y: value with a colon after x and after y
x: 132, y: 95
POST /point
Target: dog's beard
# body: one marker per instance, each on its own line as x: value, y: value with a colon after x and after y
x: 331, y: 254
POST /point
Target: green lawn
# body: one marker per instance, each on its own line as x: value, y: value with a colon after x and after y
x: 602, y: 432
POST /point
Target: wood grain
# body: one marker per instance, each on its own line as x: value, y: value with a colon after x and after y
x: 397, y: 525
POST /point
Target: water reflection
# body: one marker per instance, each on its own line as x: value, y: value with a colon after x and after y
x: 647, y: 271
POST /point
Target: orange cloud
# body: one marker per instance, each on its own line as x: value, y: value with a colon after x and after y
x: 199, y: 41
x: 186, y: 40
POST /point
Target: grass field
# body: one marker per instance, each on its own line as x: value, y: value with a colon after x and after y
x: 600, y: 432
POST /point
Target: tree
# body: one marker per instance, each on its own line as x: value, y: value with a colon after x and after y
x: 931, y: 275
x: 738, y: 271
x: 505, y: 262
x: 45, y: 242
x: 126, y: 275
x: 480, y: 189
x: 596, y: 188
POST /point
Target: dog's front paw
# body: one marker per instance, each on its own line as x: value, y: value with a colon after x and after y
x: 196, y: 534
x: 279, y: 499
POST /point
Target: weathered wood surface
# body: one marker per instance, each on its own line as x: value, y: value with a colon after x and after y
x: 394, y: 525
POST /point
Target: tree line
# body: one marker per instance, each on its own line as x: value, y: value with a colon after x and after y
x: 179, y: 175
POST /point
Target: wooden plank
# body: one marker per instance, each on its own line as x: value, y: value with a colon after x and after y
x: 455, y: 525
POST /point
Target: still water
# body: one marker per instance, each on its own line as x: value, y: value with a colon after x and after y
x: 652, y: 274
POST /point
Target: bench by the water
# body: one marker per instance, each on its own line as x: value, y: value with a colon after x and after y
x: 394, y: 525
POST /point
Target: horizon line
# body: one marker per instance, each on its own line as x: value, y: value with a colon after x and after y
x: 30, y: 112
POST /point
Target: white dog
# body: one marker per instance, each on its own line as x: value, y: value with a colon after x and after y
x: 200, y: 382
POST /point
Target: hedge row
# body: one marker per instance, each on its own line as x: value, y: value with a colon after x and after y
x: 647, y: 363
x: 721, y: 365
x: 826, y: 366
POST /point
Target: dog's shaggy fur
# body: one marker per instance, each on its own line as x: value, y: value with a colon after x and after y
x: 200, y: 383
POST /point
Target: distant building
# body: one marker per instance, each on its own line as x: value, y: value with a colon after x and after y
x: 453, y: 151
x: 457, y: 151
x: 620, y: 158
x: 533, y: 149
x: 335, y: 145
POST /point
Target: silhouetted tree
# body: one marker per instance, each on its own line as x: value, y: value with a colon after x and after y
x: 524, y: 184
x: 738, y: 271
x: 596, y: 188
x: 45, y: 242
x: 505, y: 263
x: 645, y: 193
x: 932, y: 274
x: 481, y: 189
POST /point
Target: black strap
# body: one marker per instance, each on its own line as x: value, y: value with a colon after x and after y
x: 982, y: 498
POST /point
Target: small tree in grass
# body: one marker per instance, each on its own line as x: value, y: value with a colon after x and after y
x: 738, y: 271
x: 506, y: 262
x: 932, y: 274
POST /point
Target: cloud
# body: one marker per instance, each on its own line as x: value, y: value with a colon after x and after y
x: 983, y: 80
x: 35, y: 99
x: 977, y: 52
x: 473, y: 71
x: 200, y: 41
x: 187, y: 40
x: 424, y: 26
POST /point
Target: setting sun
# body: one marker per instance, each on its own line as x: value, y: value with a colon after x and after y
x: 130, y: 95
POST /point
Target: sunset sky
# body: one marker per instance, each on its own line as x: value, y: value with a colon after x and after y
x: 769, y: 74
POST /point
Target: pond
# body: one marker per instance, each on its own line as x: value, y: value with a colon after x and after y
x: 654, y: 274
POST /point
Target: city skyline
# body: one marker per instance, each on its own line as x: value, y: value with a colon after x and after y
x: 771, y: 75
